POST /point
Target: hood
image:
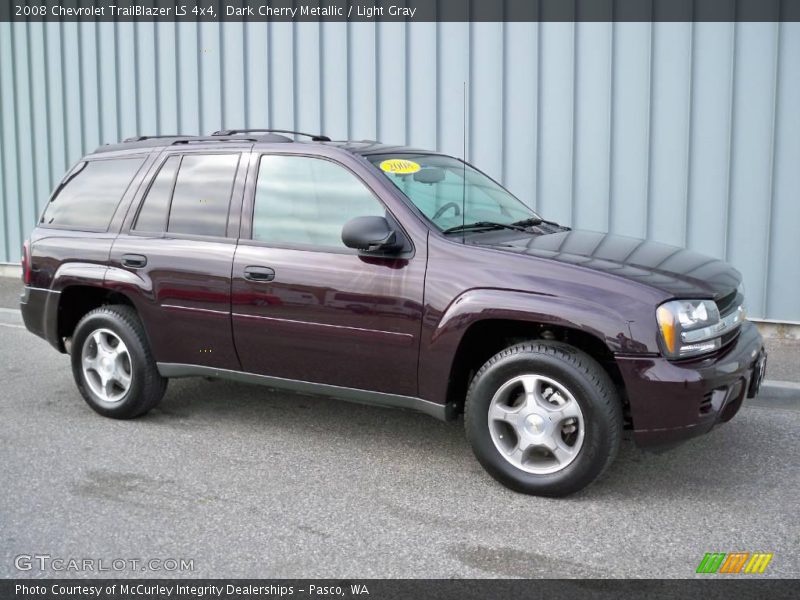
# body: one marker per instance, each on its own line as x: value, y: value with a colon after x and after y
x: 676, y: 271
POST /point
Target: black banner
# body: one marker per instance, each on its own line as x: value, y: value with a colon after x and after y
x: 743, y: 588
x: 399, y: 10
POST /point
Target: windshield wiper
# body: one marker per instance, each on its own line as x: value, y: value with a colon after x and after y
x: 534, y: 221
x: 488, y: 225
x: 529, y: 222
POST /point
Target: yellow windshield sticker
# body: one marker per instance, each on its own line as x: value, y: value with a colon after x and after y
x: 400, y: 166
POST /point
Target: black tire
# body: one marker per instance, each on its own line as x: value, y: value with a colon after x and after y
x: 588, y: 384
x: 146, y: 387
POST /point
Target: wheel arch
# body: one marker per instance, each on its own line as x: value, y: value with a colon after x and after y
x: 78, y: 299
x: 480, y: 323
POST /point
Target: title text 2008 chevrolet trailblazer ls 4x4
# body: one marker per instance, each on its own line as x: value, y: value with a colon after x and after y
x: 385, y: 275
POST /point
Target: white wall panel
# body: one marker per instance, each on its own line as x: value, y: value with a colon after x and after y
x: 781, y: 284
x: 670, y: 111
x: 710, y: 149
x: 630, y: 128
x: 556, y: 119
x: 591, y: 176
x: 752, y: 153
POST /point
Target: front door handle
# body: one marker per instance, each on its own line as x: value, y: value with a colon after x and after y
x: 259, y: 273
x: 135, y: 261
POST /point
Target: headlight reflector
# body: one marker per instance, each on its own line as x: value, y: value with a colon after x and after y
x: 677, y: 318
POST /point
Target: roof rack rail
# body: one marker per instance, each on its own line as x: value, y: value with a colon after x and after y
x: 144, y: 142
x: 141, y: 138
x: 208, y: 138
x: 316, y: 137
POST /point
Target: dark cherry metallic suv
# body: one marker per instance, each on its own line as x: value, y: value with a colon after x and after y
x: 384, y: 275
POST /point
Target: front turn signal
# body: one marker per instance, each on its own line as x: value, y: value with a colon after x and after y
x: 666, y: 322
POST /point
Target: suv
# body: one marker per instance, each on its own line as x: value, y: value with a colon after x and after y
x: 383, y: 275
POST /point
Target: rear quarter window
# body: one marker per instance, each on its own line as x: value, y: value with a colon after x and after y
x: 90, y: 197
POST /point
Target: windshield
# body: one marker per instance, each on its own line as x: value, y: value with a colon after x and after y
x: 439, y: 185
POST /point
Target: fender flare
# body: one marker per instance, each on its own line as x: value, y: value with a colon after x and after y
x: 439, y: 349
x: 67, y: 275
x: 82, y: 274
x: 78, y: 273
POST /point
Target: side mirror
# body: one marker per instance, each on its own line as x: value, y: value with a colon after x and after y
x: 369, y: 234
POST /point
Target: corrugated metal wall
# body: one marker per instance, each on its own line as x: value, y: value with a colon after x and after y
x: 687, y: 133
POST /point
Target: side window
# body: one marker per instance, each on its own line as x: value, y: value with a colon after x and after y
x: 307, y: 201
x: 155, y: 208
x: 202, y: 194
x: 88, y: 200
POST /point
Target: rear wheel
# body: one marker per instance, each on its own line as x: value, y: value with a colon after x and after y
x: 543, y: 418
x: 112, y: 364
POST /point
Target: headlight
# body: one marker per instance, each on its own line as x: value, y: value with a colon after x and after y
x: 689, y: 327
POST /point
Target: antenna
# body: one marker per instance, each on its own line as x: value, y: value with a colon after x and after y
x: 464, y: 166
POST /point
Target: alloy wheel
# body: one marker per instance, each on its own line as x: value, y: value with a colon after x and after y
x: 106, y: 365
x: 536, y: 424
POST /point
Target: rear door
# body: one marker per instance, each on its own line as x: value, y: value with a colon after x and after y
x: 81, y: 220
x: 174, y: 256
x: 307, y: 308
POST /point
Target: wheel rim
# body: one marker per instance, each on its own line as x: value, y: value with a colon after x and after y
x: 106, y: 365
x: 536, y: 424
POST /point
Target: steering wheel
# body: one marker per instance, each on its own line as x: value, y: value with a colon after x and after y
x: 443, y: 209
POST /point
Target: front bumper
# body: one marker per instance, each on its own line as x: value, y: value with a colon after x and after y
x: 673, y: 401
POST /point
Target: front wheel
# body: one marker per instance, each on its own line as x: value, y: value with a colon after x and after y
x: 543, y: 418
x: 112, y: 364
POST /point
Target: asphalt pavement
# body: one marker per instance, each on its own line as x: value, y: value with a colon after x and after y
x: 10, y: 289
x: 247, y: 482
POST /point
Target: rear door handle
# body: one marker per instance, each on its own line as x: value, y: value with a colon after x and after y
x: 259, y: 273
x: 135, y: 261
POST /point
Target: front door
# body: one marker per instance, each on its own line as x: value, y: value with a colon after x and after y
x: 307, y: 308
